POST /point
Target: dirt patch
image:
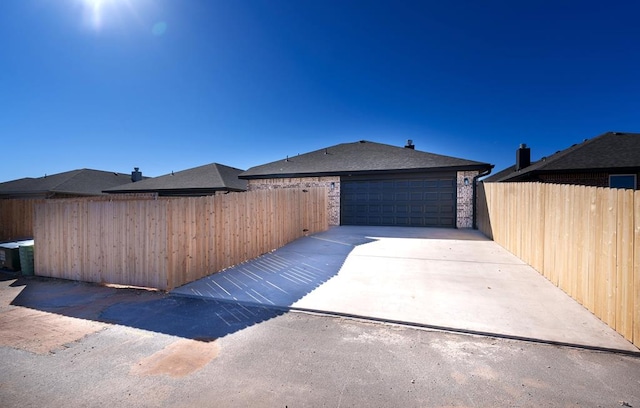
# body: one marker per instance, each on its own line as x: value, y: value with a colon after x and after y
x: 178, y: 359
x: 40, y: 332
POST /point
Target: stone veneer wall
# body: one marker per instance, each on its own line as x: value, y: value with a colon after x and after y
x: 464, y: 217
x: 304, y: 182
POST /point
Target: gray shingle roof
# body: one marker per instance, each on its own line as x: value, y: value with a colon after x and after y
x: 74, y: 182
x: 360, y: 157
x: 200, y: 180
x: 502, y: 174
x: 609, y: 151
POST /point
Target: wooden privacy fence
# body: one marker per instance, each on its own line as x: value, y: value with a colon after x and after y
x: 16, y: 219
x: 166, y: 243
x: 586, y: 240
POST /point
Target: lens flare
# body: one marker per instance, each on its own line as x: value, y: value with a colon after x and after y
x: 159, y: 28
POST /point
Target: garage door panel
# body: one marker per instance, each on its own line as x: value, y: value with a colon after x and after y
x: 433, y: 196
x: 426, y: 201
x: 447, y: 212
x: 415, y: 220
x: 401, y: 209
x: 417, y: 209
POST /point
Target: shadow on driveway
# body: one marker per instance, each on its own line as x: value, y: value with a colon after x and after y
x: 279, y: 278
x: 286, y: 275
x: 197, y: 319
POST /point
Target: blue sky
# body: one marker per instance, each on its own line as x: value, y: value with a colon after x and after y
x: 166, y: 85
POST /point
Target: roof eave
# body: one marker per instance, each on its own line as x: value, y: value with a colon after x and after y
x: 174, y: 190
x: 537, y: 172
x: 629, y: 169
x: 25, y: 192
x: 468, y: 167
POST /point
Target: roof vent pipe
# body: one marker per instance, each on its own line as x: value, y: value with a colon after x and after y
x: 136, y: 174
x: 410, y: 145
x: 523, y: 157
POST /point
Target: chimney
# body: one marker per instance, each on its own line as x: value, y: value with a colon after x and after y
x: 523, y: 157
x: 136, y: 174
x: 410, y: 145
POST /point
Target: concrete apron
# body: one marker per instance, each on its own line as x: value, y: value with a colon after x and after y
x: 437, y: 278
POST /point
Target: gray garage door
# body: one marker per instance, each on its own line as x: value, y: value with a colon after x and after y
x: 399, y: 201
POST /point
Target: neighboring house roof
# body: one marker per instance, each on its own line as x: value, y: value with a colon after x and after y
x: 200, y: 180
x: 82, y: 182
x: 611, y: 151
x: 360, y: 158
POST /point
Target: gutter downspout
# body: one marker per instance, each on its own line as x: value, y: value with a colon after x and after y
x: 475, y: 195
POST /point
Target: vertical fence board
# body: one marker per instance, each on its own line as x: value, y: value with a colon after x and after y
x: 593, y: 242
x: 578, y: 221
x: 610, y: 256
x: 600, y: 242
x: 564, y: 252
x: 553, y: 239
x: 636, y: 270
x: 17, y: 218
x: 624, y: 266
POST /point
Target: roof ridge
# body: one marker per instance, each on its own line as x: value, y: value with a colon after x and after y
x: 217, y: 170
x: 358, y: 156
x: 224, y: 165
x: 576, y: 146
x: 65, y: 179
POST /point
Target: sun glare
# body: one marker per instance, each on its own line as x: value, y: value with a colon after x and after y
x: 95, y: 10
x: 102, y: 14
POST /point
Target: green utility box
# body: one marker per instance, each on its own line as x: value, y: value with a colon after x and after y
x: 26, y: 259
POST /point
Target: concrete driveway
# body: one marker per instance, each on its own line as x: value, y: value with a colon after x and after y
x: 440, y: 278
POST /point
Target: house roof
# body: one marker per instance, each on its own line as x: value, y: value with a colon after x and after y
x: 203, y: 179
x: 610, y: 151
x: 360, y: 157
x: 75, y: 182
x: 502, y: 174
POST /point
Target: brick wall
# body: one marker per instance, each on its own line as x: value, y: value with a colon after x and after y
x: 594, y: 179
x: 302, y: 182
x: 464, y: 192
